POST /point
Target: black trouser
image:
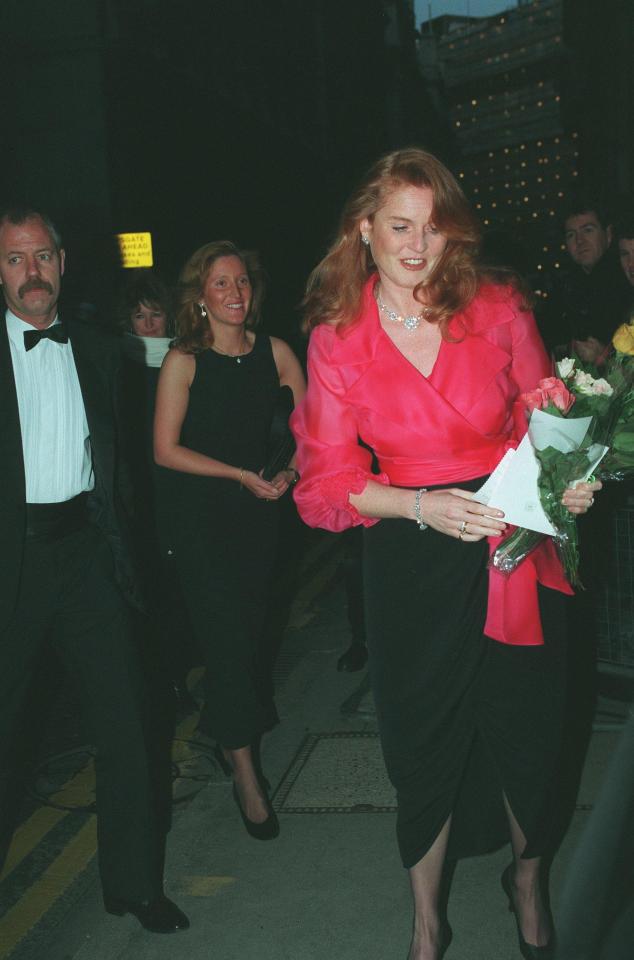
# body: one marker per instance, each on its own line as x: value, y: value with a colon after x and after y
x: 69, y: 598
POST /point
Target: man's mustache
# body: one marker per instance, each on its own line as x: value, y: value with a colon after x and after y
x: 34, y: 285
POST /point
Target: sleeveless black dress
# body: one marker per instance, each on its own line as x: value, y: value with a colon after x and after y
x: 224, y: 538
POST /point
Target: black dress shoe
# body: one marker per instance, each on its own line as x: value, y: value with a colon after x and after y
x: 354, y: 658
x: 529, y: 951
x: 267, y: 830
x: 158, y: 916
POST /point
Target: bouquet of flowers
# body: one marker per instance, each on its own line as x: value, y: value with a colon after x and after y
x: 598, y: 436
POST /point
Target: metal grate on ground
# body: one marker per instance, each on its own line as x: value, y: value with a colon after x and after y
x: 615, y: 607
x: 336, y: 773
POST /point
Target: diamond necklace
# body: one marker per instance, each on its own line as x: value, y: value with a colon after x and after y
x: 410, y: 323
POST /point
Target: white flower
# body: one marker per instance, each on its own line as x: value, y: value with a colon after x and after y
x: 586, y: 384
x: 602, y: 387
x: 565, y: 367
x: 583, y: 382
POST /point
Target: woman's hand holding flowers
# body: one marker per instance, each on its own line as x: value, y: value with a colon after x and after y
x: 579, y: 499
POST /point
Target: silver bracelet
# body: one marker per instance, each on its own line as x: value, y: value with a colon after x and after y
x: 417, y: 514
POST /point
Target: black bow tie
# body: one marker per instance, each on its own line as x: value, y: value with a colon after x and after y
x: 57, y: 332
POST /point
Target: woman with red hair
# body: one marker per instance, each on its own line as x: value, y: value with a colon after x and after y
x: 420, y: 353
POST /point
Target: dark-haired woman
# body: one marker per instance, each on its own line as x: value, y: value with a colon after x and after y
x: 422, y: 356
x: 216, y: 399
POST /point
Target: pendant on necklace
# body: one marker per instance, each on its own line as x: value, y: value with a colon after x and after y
x: 411, y: 322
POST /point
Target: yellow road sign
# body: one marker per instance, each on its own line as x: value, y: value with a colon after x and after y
x: 135, y: 249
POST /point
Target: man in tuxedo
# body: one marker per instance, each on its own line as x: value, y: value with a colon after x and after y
x: 63, y: 563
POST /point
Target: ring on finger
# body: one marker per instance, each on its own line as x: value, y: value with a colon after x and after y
x: 590, y: 501
x: 463, y: 528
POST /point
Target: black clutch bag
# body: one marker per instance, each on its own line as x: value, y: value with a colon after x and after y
x: 281, y: 445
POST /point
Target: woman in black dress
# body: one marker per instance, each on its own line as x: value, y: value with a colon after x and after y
x: 215, y: 403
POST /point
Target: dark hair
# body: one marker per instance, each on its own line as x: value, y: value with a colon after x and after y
x: 333, y: 293
x: 17, y: 214
x: 624, y: 228
x: 587, y: 204
x: 194, y: 331
x: 146, y: 287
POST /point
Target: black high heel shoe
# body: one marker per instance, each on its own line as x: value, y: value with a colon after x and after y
x: 267, y: 830
x: 528, y: 950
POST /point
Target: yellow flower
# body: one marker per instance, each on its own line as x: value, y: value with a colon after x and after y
x: 623, y: 339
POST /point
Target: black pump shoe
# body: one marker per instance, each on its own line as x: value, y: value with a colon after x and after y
x: 158, y: 916
x: 267, y: 830
x: 528, y: 950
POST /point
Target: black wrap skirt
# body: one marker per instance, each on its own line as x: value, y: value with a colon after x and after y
x: 463, y: 719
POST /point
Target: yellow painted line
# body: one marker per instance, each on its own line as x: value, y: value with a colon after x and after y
x: 78, y: 791
x: 28, y: 835
x: 78, y: 852
x: 192, y: 886
x: 55, y: 880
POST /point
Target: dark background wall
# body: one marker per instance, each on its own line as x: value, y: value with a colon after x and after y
x: 204, y: 119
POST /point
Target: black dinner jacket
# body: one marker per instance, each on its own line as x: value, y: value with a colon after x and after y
x: 97, y: 360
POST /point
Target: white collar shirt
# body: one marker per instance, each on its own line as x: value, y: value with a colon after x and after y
x: 53, y: 424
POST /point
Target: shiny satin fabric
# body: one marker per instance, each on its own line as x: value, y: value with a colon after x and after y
x: 447, y: 428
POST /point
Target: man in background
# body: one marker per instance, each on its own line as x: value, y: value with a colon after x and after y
x: 590, y: 297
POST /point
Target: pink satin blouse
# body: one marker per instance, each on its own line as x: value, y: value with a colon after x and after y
x: 452, y: 426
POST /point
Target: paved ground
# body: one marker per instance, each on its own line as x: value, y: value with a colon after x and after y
x: 331, y: 887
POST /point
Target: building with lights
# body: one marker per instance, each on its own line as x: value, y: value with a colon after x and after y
x: 500, y: 79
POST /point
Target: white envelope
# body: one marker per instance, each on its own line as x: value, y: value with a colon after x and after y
x: 512, y: 487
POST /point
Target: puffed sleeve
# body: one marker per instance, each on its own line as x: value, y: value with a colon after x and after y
x: 331, y: 462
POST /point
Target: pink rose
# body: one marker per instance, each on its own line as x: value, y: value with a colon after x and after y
x: 533, y: 400
x: 553, y: 391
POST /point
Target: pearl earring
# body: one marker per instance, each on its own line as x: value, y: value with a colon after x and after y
x: 365, y: 239
x: 203, y: 312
